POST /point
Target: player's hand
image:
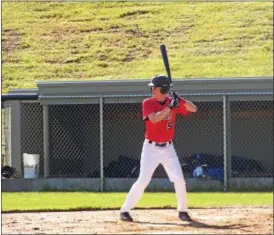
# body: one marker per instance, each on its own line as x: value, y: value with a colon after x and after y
x: 175, y: 95
x: 174, y: 103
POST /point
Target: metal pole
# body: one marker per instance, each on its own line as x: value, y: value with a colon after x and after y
x: 46, y: 139
x: 7, y: 133
x: 101, y: 145
x: 16, y: 155
x: 225, y: 141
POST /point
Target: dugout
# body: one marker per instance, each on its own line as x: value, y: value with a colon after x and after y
x: 90, y: 129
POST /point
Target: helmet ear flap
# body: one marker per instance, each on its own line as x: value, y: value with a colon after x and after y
x: 164, y: 90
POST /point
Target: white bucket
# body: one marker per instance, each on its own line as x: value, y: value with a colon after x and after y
x: 31, y: 166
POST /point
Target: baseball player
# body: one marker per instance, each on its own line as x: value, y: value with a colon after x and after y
x: 159, y: 114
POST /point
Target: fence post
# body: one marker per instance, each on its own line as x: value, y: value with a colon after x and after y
x: 7, y: 133
x: 16, y: 155
x: 101, y: 144
x: 46, y: 139
x: 227, y: 142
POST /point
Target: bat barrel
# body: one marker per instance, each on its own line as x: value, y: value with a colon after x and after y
x: 166, y: 62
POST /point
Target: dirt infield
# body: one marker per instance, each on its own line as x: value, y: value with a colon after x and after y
x: 231, y: 220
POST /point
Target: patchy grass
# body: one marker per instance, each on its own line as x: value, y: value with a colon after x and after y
x: 120, y: 40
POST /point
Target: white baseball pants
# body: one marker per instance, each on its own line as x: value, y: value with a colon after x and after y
x: 151, y: 157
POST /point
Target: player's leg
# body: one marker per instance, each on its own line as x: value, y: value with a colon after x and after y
x: 174, y: 171
x: 148, y: 164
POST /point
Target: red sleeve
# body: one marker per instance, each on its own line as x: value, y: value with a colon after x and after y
x: 147, y: 108
x: 181, y: 109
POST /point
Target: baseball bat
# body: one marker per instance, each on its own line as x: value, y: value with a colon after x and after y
x: 166, y: 63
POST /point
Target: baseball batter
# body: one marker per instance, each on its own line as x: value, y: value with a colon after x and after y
x: 159, y: 114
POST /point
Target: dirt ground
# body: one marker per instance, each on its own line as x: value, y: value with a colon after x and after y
x: 230, y: 220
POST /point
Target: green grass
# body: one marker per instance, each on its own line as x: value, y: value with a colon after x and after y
x: 87, y: 200
x: 110, y: 40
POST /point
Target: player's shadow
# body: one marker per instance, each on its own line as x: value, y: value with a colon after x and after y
x: 195, y: 224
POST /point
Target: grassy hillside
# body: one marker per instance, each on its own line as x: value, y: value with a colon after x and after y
x: 81, y: 40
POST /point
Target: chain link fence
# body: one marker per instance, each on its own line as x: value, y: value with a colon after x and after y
x: 252, y: 138
x: 74, y: 141
x: 123, y: 137
x: 199, y: 142
x: 75, y: 151
x: 31, y: 123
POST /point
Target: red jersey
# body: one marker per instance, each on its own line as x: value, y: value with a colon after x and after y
x: 164, y: 130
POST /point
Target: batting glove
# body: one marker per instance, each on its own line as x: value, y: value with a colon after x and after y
x: 174, y: 103
x: 175, y: 95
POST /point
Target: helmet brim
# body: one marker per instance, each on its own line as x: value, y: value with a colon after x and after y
x: 151, y: 84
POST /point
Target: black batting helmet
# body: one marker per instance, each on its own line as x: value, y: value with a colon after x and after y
x: 161, y: 81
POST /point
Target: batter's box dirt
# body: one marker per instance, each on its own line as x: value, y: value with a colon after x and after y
x: 230, y: 220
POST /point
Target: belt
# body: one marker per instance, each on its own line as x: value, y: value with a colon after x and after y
x: 160, y: 144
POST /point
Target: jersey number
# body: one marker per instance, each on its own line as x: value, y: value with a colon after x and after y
x: 169, y: 125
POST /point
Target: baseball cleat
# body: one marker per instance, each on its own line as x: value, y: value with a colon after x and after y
x: 125, y: 216
x: 184, y: 216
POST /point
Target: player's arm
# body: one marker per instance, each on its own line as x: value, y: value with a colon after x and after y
x: 150, y: 114
x: 185, y: 106
x: 159, y: 116
x: 190, y: 107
